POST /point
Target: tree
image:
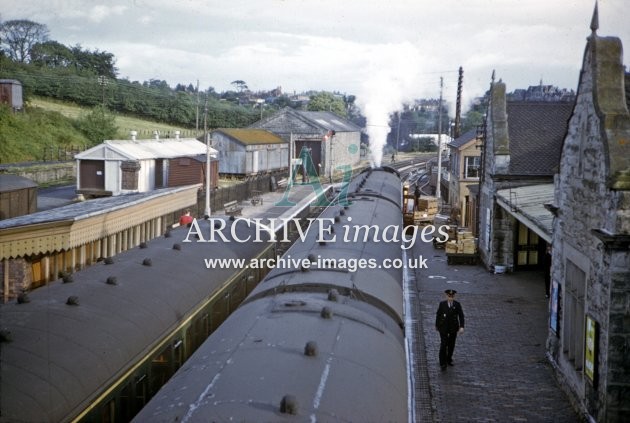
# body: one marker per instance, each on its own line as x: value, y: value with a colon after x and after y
x: 51, y: 54
x: 325, y: 101
x: 282, y: 101
x: 94, y: 62
x: 98, y: 125
x: 17, y: 38
x: 240, y: 85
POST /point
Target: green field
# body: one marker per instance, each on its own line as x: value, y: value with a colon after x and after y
x: 125, y: 124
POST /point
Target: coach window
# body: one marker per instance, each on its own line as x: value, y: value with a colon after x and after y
x: 178, y: 354
x: 109, y: 412
x: 161, y: 369
x: 141, y: 391
x: 125, y: 406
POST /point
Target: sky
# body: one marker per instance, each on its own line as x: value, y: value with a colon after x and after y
x: 385, y: 52
x: 335, y: 45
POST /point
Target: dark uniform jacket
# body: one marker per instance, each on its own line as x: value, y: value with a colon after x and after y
x: 449, y: 319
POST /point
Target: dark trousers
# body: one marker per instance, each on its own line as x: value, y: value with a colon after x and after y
x: 447, y: 345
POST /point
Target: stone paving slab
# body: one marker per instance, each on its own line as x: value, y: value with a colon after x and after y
x: 501, y: 373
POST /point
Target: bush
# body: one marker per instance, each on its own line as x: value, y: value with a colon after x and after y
x: 97, y: 125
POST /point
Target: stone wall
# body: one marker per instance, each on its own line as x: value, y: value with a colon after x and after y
x: 586, y: 203
x: 45, y: 173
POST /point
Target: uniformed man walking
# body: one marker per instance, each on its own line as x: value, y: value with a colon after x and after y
x: 449, y: 321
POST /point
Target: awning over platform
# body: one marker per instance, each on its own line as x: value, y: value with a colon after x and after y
x: 527, y: 205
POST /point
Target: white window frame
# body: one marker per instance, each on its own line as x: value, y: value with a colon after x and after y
x: 476, y: 166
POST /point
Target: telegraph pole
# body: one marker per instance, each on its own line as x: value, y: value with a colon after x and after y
x: 439, y: 174
x: 197, y: 112
x: 102, y: 80
x: 397, y: 133
x: 208, y: 173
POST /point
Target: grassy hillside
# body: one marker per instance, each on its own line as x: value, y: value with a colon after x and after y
x: 125, y: 124
x: 32, y: 135
x: 47, y: 127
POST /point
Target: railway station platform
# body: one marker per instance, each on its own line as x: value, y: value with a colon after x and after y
x: 280, y: 204
x: 500, y: 372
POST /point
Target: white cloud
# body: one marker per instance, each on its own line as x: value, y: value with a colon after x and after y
x: 332, y: 44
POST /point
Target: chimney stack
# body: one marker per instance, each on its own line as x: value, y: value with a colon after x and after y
x: 156, y: 135
x: 176, y: 135
x: 133, y: 135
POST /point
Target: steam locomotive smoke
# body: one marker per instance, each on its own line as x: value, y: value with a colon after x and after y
x: 384, y: 92
x: 379, y: 100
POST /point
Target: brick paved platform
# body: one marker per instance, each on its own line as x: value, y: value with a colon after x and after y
x: 501, y: 373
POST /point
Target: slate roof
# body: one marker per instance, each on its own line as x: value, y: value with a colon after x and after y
x: 329, y: 121
x: 14, y: 183
x: 251, y: 136
x: 537, y: 131
x: 463, y: 139
x: 85, y: 209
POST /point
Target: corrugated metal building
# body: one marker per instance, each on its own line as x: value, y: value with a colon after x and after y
x: 126, y: 166
x: 18, y: 196
x: 332, y: 141
x: 249, y: 151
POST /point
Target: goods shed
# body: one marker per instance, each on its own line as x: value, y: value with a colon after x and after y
x: 118, y: 167
x: 332, y: 141
x: 249, y: 151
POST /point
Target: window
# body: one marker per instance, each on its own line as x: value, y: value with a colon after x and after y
x: 573, y: 316
x: 471, y: 169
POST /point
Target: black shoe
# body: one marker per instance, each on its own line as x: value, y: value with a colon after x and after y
x: 450, y: 363
x: 443, y: 367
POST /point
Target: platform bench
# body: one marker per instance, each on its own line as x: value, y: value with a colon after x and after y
x: 232, y: 208
x: 282, y: 184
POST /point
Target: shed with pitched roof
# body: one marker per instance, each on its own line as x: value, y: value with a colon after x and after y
x: 243, y: 151
x: 128, y: 166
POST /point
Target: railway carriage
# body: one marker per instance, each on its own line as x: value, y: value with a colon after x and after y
x: 322, y: 341
x: 96, y: 345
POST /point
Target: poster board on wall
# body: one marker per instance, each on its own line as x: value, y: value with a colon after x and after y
x: 590, y: 349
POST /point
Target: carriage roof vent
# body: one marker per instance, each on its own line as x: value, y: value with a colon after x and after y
x: 310, y: 349
x: 289, y: 405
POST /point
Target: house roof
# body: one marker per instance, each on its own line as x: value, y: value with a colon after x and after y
x: 536, y: 133
x: 14, y: 183
x: 251, y: 136
x: 463, y: 139
x: 145, y: 149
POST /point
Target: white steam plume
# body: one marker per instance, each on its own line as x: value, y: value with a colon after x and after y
x: 390, y: 84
